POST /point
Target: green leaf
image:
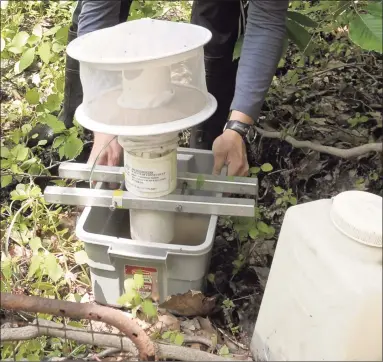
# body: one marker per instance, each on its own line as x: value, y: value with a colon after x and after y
x: 2, y: 44
x: 263, y: 227
x: 278, y: 190
x: 279, y: 201
x: 26, y: 59
x: 365, y: 30
x: 301, y: 19
x: 211, y: 278
x: 38, y: 30
x: 62, y: 35
x: 35, y: 264
x: 253, y: 233
x: 6, y: 267
x: 224, y: 351
x: 124, y: 299
x: 58, y: 141
x: 129, y: 285
x: 4, y: 152
x: 293, y: 200
x: 238, y: 48
x: 54, y: 270
x: 200, y: 182
x: 138, y: 280
x: 81, y: 257
x: 57, y: 48
x: 148, y: 308
x: 6, y: 180
x: 35, y: 244
x: 73, y: 147
x: 32, y: 96
x: 254, y: 170
x: 266, y: 167
x: 45, y: 52
x: 18, y: 42
x: 299, y: 35
x: 20, y: 152
x: 179, y: 340
x: 53, y: 102
x: 375, y: 8
x: 166, y: 335
x: 52, y: 121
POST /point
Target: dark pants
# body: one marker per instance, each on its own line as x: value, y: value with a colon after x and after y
x: 223, y: 19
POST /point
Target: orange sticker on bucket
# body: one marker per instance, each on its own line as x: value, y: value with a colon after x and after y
x: 150, y: 287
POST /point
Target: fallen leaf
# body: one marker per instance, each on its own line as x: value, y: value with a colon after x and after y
x: 192, y: 303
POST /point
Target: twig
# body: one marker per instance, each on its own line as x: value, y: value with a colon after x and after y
x: 240, y: 345
x: 89, y: 311
x: 52, y: 329
x: 343, y: 153
x: 105, y: 353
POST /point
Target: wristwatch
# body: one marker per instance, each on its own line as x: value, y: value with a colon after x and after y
x: 246, y: 131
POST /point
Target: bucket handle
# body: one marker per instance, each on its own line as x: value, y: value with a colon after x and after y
x: 119, y: 253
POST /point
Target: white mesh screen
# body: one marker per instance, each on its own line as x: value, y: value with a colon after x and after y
x: 134, y: 87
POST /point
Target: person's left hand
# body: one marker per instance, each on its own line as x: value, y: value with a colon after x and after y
x: 229, y: 149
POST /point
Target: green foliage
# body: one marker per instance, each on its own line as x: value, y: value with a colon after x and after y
x: 364, y: 19
x: 132, y: 298
x: 174, y: 337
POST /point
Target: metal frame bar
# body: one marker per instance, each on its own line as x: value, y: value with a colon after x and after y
x: 172, y: 203
x: 219, y: 184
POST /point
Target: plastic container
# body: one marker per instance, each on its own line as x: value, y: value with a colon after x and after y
x: 323, y: 298
x: 169, y: 268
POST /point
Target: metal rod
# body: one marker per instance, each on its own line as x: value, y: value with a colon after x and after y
x: 219, y: 184
x: 173, y: 203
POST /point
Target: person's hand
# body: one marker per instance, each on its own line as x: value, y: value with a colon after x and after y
x: 229, y: 150
x: 106, y: 150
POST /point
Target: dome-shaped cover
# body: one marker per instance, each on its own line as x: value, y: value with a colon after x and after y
x: 143, y: 77
x: 358, y: 215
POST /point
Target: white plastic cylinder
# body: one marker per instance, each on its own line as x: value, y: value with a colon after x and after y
x: 323, y: 298
x: 146, y: 88
x: 150, y: 165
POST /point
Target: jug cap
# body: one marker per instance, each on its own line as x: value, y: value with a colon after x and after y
x: 358, y: 214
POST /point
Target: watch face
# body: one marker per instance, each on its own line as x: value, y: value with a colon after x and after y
x: 251, y: 135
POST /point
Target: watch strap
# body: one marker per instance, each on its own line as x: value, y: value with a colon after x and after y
x: 239, y: 127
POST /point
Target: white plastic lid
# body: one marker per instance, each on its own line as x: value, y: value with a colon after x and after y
x: 130, y: 44
x: 358, y: 214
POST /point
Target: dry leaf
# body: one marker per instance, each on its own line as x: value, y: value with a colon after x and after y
x: 192, y: 303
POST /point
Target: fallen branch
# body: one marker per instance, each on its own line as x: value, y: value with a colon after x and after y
x: 52, y: 329
x: 89, y: 311
x: 343, y: 153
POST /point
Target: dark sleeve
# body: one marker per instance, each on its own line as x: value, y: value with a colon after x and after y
x: 261, y: 52
x: 96, y: 15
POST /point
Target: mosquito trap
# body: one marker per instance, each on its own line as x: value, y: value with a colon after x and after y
x: 144, y: 82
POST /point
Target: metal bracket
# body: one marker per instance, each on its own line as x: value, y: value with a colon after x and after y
x: 213, y: 183
x: 172, y: 203
x: 208, y: 205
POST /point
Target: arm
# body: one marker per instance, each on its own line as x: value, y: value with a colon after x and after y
x: 261, y: 52
x: 96, y: 15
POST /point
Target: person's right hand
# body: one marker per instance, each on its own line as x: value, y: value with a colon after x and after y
x: 106, y: 150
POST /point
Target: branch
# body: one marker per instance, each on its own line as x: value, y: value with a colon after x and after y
x: 343, y: 153
x: 52, y: 329
x: 89, y: 311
